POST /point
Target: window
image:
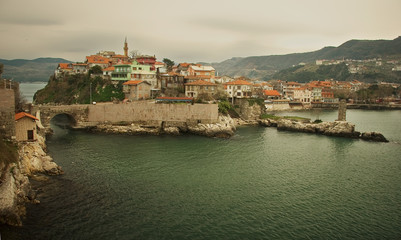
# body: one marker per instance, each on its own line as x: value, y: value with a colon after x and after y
x: 238, y: 87
x: 239, y: 94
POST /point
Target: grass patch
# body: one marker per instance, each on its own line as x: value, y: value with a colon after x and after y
x: 295, y: 118
x: 269, y: 116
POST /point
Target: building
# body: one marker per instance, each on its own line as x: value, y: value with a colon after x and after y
x: 271, y: 94
x: 316, y: 94
x: 97, y: 60
x: 239, y: 89
x: 25, y: 127
x: 107, y: 72
x: 134, y: 71
x: 302, y: 95
x: 63, y: 68
x: 199, y: 88
x: 79, y: 68
x: 147, y: 60
x: 137, y: 90
x: 206, y: 73
x: 169, y: 79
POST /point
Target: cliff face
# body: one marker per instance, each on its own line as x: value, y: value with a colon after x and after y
x: 15, y: 188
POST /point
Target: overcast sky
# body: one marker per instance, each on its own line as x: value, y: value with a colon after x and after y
x: 192, y: 31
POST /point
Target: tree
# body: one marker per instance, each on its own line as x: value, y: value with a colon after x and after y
x: 96, y: 70
x: 134, y: 53
x: 169, y: 63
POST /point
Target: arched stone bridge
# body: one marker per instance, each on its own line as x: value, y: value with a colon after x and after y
x: 140, y: 111
x: 77, y: 113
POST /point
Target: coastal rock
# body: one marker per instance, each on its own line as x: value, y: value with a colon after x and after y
x: 15, y: 187
x: 337, y: 128
x: 373, y: 136
x: 224, y: 128
x: 172, y: 130
x: 34, y: 159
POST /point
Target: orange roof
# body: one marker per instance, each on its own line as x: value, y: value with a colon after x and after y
x: 108, y: 69
x: 159, y: 63
x: 271, y: 93
x: 119, y: 56
x: 64, y: 65
x: 238, y: 82
x: 24, y: 114
x: 97, y: 59
x: 293, y: 83
x: 201, y: 82
x: 133, y: 82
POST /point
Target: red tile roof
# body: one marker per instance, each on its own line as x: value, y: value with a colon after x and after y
x: 64, y: 66
x: 201, y: 82
x: 24, y: 114
x: 133, y: 82
x: 238, y: 82
x: 97, y: 59
x: 108, y: 69
x: 271, y: 93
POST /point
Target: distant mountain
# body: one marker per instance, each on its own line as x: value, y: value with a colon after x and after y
x: 36, y: 70
x: 264, y: 67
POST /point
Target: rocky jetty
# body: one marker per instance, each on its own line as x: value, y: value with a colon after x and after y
x: 337, y: 128
x: 223, y: 128
x: 15, y: 187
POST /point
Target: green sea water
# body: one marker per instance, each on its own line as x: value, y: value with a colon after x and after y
x: 259, y: 184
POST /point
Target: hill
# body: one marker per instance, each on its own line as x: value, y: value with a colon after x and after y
x: 264, y: 67
x: 72, y: 89
x: 36, y: 70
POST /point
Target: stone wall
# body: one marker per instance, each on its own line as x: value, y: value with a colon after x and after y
x: 7, y: 113
x: 152, y: 112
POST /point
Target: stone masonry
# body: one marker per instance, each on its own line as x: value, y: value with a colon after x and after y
x: 7, y: 113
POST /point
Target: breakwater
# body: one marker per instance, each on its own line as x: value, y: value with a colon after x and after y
x: 337, y: 128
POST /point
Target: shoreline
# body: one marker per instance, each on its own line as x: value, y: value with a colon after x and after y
x: 16, y: 189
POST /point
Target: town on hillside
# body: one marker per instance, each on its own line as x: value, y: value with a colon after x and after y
x: 143, y: 77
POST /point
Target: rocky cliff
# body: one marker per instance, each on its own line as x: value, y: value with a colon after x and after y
x: 15, y: 188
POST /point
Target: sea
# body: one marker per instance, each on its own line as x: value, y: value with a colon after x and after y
x: 259, y: 184
x: 28, y: 90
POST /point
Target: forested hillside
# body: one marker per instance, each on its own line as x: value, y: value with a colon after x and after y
x: 264, y: 67
x: 36, y: 70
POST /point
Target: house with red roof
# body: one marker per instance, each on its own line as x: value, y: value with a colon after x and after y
x: 25, y: 127
x: 200, y: 87
x: 137, y: 90
x: 239, y: 89
x: 63, y: 68
x: 271, y: 94
x: 97, y: 60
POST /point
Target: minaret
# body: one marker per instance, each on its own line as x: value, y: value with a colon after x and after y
x: 126, y: 47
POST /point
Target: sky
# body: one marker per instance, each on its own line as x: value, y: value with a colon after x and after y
x: 189, y: 31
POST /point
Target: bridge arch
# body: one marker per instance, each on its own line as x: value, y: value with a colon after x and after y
x: 75, y: 113
x: 63, y: 120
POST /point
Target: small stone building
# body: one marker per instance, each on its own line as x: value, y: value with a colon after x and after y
x: 25, y: 127
x: 137, y: 90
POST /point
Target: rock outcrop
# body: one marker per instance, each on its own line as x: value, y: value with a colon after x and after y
x: 224, y: 128
x: 15, y: 187
x: 337, y: 128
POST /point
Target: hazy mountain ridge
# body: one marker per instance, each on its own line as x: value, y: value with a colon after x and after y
x: 36, y: 70
x: 264, y: 67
